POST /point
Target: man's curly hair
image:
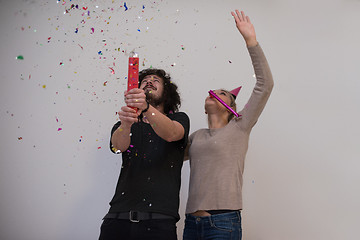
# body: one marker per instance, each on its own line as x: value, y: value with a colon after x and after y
x: 171, y: 96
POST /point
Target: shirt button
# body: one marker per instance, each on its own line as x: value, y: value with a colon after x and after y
x: 198, y: 219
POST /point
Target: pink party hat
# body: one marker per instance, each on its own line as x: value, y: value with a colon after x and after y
x: 235, y: 91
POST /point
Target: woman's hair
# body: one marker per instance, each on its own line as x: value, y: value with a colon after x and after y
x: 171, y: 96
x: 232, y: 104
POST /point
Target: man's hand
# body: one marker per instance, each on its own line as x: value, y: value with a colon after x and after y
x: 136, y: 98
x: 245, y: 27
x: 128, y: 116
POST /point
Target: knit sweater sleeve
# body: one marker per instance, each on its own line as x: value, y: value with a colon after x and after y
x: 261, y: 92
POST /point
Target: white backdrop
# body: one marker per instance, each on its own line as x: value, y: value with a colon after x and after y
x: 58, y: 105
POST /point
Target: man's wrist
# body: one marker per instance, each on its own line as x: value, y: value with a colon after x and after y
x: 147, y: 107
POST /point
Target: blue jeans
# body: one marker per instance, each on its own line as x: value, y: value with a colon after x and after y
x: 223, y: 226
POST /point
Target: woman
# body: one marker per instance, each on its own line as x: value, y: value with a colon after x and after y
x: 217, y: 154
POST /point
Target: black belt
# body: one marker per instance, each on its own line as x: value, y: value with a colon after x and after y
x: 220, y: 211
x: 135, y: 216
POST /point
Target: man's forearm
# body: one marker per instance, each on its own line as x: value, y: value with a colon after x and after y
x: 121, y: 138
x: 163, y: 126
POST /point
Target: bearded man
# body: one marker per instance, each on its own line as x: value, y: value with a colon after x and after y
x: 151, y: 135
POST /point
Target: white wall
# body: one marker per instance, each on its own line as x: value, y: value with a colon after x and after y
x: 301, y: 177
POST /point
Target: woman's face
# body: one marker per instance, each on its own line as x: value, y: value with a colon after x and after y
x: 212, y: 104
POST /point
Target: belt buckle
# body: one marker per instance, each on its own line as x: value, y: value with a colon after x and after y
x: 133, y: 217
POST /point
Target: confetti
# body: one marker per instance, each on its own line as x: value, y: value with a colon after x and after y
x: 20, y: 57
x: 59, y: 129
x: 126, y: 8
x: 20, y: 138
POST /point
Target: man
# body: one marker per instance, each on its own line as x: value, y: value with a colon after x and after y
x: 152, y: 136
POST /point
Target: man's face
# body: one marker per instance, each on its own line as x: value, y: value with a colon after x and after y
x: 154, y: 88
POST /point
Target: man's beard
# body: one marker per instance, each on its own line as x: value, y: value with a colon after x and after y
x: 154, y: 101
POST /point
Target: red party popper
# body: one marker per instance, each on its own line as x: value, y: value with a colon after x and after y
x: 133, y: 73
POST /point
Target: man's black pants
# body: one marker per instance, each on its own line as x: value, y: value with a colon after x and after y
x: 122, y: 229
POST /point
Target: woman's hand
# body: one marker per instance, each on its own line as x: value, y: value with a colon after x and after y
x: 245, y: 27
